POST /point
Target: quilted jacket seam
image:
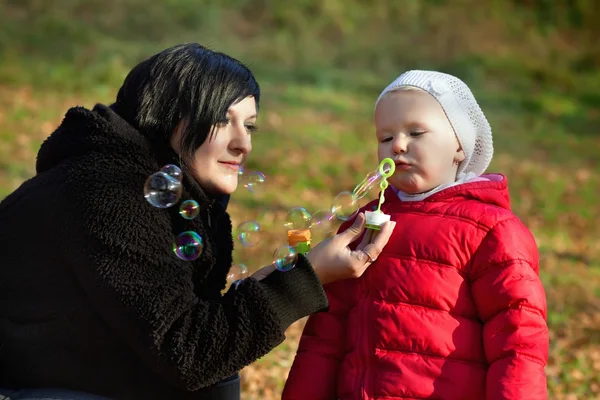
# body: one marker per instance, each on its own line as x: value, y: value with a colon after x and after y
x: 428, y: 307
x: 436, y: 356
x: 423, y: 260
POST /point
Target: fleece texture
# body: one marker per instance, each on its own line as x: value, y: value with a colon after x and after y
x: 93, y: 298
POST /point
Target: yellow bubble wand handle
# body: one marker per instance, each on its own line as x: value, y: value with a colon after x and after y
x: 385, y: 174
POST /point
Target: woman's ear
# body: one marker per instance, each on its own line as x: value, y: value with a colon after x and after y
x: 176, y: 137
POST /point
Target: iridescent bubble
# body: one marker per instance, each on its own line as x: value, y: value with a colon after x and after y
x: 189, y: 209
x: 162, y: 190
x: 322, y: 221
x: 188, y: 246
x: 241, y: 170
x: 285, y: 258
x: 370, y: 181
x: 248, y: 233
x: 297, y: 218
x: 237, y: 272
x: 344, y: 206
x: 254, y: 181
x: 173, y: 170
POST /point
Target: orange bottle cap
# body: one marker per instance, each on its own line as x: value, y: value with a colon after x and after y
x: 296, y: 236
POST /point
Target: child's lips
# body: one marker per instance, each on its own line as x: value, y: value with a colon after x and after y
x: 403, y: 165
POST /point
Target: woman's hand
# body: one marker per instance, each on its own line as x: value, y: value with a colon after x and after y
x: 333, y: 260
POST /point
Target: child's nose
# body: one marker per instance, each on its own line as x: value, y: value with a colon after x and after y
x: 400, y: 144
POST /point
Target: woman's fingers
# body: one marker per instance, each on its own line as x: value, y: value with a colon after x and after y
x: 375, y: 246
x: 354, y: 231
x: 366, y: 238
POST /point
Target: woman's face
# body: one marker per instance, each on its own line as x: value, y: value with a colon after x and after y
x: 216, y: 163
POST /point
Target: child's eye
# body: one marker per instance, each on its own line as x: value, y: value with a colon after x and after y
x: 417, y: 133
x: 387, y: 139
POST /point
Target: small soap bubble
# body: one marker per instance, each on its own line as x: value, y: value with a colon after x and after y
x: 369, y: 182
x: 173, y: 170
x: 345, y: 205
x: 248, y: 233
x: 189, y: 209
x: 162, y: 190
x: 373, y: 179
x: 297, y: 218
x: 285, y: 258
x: 241, y: 170
x: 188, y: 246
x: 322, y: 221
x: 237, y: 272
x: 254, y: 181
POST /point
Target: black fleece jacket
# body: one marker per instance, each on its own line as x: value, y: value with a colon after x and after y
x: 92, y: 296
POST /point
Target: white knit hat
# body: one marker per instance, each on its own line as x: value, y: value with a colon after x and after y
x: 468, y: 121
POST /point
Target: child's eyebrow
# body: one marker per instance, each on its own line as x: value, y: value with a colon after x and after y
x: 415, y: 124
x: 402, y: 125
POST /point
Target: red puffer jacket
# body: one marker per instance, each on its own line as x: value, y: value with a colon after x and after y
x: 452, y: 309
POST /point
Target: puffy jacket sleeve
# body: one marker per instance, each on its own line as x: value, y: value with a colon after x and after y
x: 314, y: 373
x: 511, y: 302
x: 119, y: 249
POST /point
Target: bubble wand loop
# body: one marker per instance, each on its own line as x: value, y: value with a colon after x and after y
x: 384, y: 183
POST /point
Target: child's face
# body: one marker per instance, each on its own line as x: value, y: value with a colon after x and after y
x: 413, y: 130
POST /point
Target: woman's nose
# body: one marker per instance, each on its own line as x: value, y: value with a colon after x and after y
x: 243, y: 141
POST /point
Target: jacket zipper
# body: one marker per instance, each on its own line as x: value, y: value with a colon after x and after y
x: 364, y: 338
x: 208, y: 216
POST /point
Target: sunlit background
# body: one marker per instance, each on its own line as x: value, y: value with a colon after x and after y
x: 533, y: 65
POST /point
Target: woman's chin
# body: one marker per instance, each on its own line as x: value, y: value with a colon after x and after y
x: 227, y: 189
x: 220, y: 188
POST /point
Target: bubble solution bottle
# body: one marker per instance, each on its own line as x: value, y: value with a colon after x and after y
x: 299, y: 239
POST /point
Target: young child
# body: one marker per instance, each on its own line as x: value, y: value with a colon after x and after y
x: 453, y: 308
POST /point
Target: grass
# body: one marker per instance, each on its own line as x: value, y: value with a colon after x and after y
x: 320, y: 77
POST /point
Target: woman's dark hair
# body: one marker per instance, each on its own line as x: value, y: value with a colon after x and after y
x: 185, y: 82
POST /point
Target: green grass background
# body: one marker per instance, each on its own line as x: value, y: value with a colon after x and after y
x: 533, y: 65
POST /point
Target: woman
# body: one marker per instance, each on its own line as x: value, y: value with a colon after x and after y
x: 99, y: 303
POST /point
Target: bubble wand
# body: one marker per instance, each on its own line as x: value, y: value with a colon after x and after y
x: 377, y: 218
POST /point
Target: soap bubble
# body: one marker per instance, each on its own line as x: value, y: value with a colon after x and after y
x: 297, y: 218
x: 254, y: 181
x: 162, y: 190
x: 188, y: 246
x: 189, y: 209
x: 173, y: 171
x: 322, y: 221
x: 285, y: 258
x: 237, y: 272
x: 372, y: 179
x: 345, y: 205
x: 248, y: 233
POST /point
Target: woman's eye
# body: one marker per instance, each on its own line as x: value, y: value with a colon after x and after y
x: 251, y: 128
x: 223, y: 123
